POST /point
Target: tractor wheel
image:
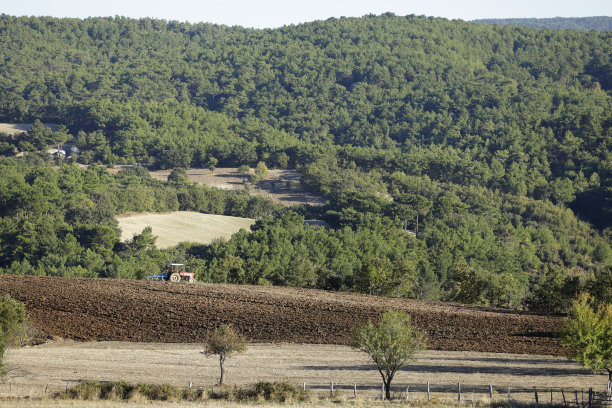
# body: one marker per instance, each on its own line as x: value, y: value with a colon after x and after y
x: 191, y: 279
x: 175, y: 277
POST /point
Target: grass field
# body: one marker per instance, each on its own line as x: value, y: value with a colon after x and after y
x: 281, y: 186
x: 51, y: 367
x: 172, y: 228
x: 15, y: 128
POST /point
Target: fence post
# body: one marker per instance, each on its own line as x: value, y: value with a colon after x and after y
x: 407, y: 391
x: 576, y: 395
x: 508, y: 395
x: 458, y: 391
x: 428, y: 393
x: 490, y: 391
x: 331, y: 388
x: 551, y: 398
x: 590, y: 397
x: 355, y: 390
x: 535, y: 390
x: 304, y: 388
x: 190, y: 384
x: 563, y: 394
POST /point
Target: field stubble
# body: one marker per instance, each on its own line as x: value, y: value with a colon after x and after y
x: 52, y: 366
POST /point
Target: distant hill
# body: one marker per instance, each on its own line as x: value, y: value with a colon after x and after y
x: 599, y: 23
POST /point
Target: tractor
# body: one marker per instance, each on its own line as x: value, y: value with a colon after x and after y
x: 175, y: 273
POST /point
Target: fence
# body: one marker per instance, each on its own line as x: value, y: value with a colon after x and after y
x: 458, y: 392
x: 470, y: 393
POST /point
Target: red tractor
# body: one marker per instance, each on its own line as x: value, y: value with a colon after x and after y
x: 175, y: 273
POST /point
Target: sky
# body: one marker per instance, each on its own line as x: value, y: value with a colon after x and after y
x: 277, y: 13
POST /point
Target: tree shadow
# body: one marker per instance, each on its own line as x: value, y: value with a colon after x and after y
x: 457, y: 369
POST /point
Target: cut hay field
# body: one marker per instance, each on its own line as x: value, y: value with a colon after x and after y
x: 16, y: 128
x: 179, y: 226
x: 54, y: 365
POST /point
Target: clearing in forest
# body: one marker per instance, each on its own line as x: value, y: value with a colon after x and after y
x: 180, y: 226
x: 281, y: 186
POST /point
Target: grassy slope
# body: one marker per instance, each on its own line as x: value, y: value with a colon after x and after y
x: 172, y: 228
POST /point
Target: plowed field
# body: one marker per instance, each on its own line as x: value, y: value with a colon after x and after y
x: 102, y: 309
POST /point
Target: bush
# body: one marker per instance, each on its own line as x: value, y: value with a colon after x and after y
x: 12, y: 319
x: 157, y: 392
x: 87, y: 390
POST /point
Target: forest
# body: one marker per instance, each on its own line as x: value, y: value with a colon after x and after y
x: 461, y: 161
x: 598, y: 23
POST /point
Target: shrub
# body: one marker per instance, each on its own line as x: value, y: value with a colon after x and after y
x: 158, y: 392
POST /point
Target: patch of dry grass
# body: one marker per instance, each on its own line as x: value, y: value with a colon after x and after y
x: 179, y: 226
x: 16, y: 128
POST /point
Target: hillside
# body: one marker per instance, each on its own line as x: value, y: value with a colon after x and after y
x: 102, y: 309
x: 600, y: 23
x: 490, y: 143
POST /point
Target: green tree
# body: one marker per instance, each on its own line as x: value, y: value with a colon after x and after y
x: 588, y: 332
x: 261, y: 171
x: 392, y: 343
x: 212, y: 164
x: 12, y: 318
x: 224, y: 341
x: 178, y: 175
x: 243, y: 170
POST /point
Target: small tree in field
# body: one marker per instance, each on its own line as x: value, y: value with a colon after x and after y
x: 589, y: 332
x: 12, y: 318
x: 224, y: 342
x: 391, y: 343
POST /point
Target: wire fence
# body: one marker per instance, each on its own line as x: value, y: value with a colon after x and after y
x: 416, y: 392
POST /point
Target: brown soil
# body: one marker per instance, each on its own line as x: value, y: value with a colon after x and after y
x: 103, y: 309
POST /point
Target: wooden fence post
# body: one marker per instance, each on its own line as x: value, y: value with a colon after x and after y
x: 459, y: 391
x: 590, y: 397
x: 535, y: 390
x: 576, y: 395
x: 508, y: 395
x: 563, y: 394
x: 190, y: 384
x: 490, y: 391
x: 355, y: 390
x: 304, y: 388
x: 428, y: 393
x: 331, y: 388
x: 407, y: 392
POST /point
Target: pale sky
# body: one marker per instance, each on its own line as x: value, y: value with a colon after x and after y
x: 276, y: 13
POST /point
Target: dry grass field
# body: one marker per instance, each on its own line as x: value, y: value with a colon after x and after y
x: 16, y: 128
x: 281, y: 186
x: 179, y: 226
x: 52, y: 366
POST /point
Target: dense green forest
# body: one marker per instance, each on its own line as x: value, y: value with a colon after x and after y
x: 599, y: 23
x: 462, y: 161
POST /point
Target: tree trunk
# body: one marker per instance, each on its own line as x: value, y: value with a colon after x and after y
x: 388, y: 389
x: 221, y: 360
